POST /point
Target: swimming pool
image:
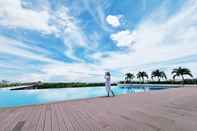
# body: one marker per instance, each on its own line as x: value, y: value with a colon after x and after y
x: 15, y: 98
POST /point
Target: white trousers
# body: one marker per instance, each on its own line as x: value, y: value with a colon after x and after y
x: 108, y: 86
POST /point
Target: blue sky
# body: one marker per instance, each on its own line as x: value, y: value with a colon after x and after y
x: 78, y: 40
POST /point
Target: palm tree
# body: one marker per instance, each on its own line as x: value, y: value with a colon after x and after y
x: 181, y: 72
x: 141, y: 75
x: 129, y: 77
x: 158, y: 74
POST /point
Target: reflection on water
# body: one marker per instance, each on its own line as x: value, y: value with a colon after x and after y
x: 28, y: 97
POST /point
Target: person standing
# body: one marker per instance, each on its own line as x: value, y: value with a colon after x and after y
x: 108, y: 84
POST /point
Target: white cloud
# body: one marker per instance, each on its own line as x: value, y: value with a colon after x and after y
x: 95, y: 8
x: 13, y: 47
x: 68, y: 29
x: 12, y: 14
x: 50, y: 70
x: 64, y: 25
x: 156, y: 41
x: 114, y: 21
x: 123, y: 38
x: 47, y: 21
x: 78, y: 72
x: 97, y: 11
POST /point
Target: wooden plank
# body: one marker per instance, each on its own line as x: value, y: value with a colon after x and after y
x: 19, y: 122
x: 14, y: 117
x: 61, y: 121
x: 107, y: 121
x: 74, y: 117
x: 32, y: 120
x: 40, y: 125
x: 48, y: 121
x: 54, y: 119
x: 89, y: 121
x: 5, y: 113
x: 65, y: 116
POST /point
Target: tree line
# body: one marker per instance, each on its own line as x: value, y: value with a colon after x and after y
x: 158, y: 75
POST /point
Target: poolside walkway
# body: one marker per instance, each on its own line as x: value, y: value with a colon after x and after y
x: 164, y: 110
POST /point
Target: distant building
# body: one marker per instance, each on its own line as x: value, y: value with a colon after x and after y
x: 4, y: 82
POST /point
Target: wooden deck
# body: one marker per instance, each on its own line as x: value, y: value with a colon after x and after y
x: 166, y: 110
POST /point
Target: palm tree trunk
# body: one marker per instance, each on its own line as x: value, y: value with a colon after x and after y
x: 183, y: 79
x: 158, y: 79
x: 143, y: 79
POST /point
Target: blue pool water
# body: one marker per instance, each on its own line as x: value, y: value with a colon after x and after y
x: 15, y: 98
